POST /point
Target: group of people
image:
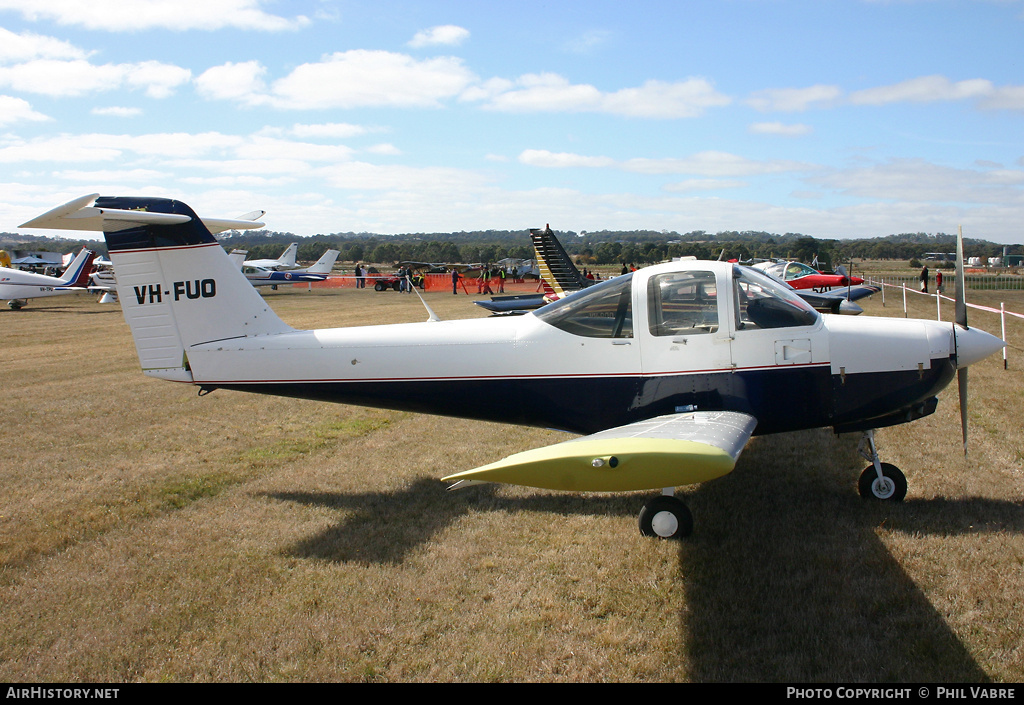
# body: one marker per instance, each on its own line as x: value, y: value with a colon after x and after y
x: 360, y: 276
x: 924, y: 280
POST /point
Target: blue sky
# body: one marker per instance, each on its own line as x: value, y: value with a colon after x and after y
x: 832, y: 118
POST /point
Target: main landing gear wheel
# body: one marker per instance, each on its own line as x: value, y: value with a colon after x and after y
x: 891, y: 487
x: 666, y: 517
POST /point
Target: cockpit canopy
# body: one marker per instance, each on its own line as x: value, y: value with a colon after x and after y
x: 788, y: 271
x: 690, y: 300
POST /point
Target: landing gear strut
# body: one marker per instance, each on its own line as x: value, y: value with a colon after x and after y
x: 879, y: 481
x: 666, y: 517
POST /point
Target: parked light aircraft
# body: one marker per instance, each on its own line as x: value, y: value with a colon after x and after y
x: 801, y: 276
x: 262, y: 276
x: 556, y: 267
x: 18, y: 286
x: 668, y: 371
x: 285, y: 261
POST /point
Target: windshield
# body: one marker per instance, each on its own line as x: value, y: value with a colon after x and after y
x: 762, y: 302
x: 604, y: 310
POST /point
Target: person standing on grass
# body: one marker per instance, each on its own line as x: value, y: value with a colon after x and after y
x: 924, y: 279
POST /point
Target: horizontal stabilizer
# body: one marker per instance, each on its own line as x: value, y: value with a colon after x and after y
x: 81, y: 214
x: 668, y: 451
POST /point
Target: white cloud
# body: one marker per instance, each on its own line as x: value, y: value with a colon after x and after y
x: 117, y: 111
x: 242, y: 82
x: 704, y: 185
x: 587, y: 42
x: 337, y: 130
x: 778, y: 128
x: 27, y: 46
x: 924, y: 89
x: 793, y: 99
x: 448, y: 35
x: 920, y: 181
x: 15, y: 110
x: 1005, y: 98
x: 384, y: 148
x: 350, y: 79
x: 103, y: 176
x: 562, y: 160
x: 79, y: 77
x: 707, y: 163
x: 550, y: 92
x: 135, y: 15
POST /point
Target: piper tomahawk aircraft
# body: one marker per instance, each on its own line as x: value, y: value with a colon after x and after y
x: 667, y: 371
x: 19, y: 286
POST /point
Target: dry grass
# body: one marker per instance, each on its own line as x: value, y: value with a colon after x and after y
x: 147, y: 535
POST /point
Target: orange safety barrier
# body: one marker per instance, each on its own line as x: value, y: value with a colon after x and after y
x: 432, y: 282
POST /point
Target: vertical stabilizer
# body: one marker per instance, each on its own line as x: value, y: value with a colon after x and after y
x: 178, y: 288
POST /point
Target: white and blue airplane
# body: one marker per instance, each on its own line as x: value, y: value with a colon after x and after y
x: 261, y: 276
x: 18, y: 286
x: 667, y: 372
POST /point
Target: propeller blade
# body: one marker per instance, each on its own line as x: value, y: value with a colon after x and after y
x: 961, y: 302
x: 961, y: 381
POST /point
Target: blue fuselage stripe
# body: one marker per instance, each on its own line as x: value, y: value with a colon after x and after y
x: 781, y: 398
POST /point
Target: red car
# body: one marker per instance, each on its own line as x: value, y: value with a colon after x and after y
x: 801, y: 276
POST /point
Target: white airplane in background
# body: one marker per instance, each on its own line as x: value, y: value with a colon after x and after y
x: 18, y: 286
x: 260, y: 276
x: 667, y: 371
x: 285, y: 261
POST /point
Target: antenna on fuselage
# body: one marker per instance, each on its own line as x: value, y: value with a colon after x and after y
x: 431, y: 316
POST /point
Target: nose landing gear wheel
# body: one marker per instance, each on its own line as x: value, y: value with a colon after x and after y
x: 891, y: 487
x: 666, y: 517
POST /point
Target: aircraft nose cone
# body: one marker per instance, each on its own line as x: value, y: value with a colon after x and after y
x: 974, y: 344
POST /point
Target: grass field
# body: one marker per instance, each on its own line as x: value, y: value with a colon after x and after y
x: 150, y: 535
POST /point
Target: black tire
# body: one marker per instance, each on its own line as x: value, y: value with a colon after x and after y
x: 396, y: 286
x: 892, y: 489
x: 378, y: 287
x: 666, y: 517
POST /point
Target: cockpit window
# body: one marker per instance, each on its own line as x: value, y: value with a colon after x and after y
x: 762, y: 302
x: 604, y: 310
x: 682, y: 303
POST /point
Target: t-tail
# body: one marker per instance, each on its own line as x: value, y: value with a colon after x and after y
x: 176, y: 284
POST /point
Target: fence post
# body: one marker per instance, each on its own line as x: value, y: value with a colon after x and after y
x: 904, y: 285
x: 938, y: 307
x: 1002, y: 322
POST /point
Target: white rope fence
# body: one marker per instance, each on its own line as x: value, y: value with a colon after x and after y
x: 1003, y: 313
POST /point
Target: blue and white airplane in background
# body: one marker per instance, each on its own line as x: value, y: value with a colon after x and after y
x: 261, y: 276
x: 667, y: 372
x: 18, y: 286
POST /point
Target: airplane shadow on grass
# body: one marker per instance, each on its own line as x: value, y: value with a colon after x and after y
x: 785, y: 576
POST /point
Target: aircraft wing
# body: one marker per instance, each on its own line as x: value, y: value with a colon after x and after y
x: 504, y: 304
x: 838, y: 300
x: 858, y: 291
x: 667, y: 451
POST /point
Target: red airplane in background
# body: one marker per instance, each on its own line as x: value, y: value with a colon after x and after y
x: 801, y: 276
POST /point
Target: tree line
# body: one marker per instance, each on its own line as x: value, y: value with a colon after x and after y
x: 606, y: 247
